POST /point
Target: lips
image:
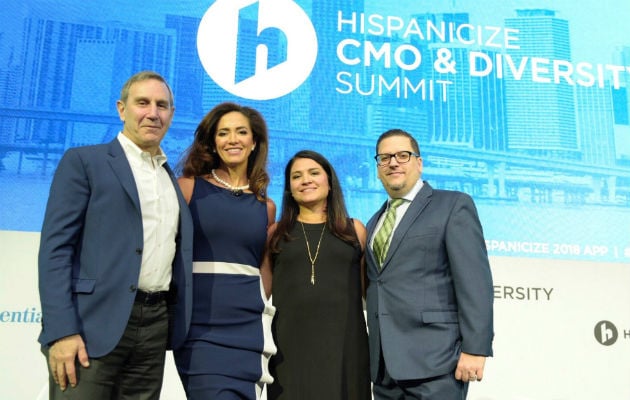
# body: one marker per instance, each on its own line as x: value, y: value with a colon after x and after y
x: 395, y: 173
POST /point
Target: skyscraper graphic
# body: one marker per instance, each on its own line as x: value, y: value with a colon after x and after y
x: 56, y: 50
x: 188, y: 77
x: 621, y: 56
x: 10, y: 74
x: 397, y: 106
x: 595, y: 125
x: 540, y: 116
x: 338, y: 113
x: 621, y: 108
x: 149, y: 48
x: 49, y: 56
x: 472, y: 113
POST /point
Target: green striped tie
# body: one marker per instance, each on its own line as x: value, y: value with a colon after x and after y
x: 381, y: 240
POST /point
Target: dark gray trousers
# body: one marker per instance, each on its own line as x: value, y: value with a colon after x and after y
x: 444, y: 387
x: 133, y: 370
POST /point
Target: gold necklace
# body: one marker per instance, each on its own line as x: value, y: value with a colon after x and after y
x: 308, y: 248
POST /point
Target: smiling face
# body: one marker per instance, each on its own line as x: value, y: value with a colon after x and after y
x: 309, y: 182
x: 398, y: 179
x: 234, y: 139
x: 146, y: 113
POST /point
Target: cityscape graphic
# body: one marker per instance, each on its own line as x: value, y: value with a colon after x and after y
x: 548, y: 163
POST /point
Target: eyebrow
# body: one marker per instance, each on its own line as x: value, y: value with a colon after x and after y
x: 307, y: 170
x: 148, y: 100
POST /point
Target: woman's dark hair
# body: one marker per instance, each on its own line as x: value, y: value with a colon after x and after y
x: 337, y: 219
x: 201, y: 156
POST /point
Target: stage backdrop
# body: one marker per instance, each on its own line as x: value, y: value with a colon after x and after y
x: 523, y: 104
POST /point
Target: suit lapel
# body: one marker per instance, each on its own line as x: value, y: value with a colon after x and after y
x: 122, y: 170
x: 180, y: 196
x: 416, y: 207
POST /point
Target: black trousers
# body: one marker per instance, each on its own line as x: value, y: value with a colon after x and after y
x: 133, y: 370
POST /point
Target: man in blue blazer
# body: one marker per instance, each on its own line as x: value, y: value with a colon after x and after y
x: 115, y: 258
x: 430, y: 294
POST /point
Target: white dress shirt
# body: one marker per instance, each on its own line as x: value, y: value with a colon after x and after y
x: 160, y: 215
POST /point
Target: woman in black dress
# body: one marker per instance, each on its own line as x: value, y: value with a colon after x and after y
x: 316, y: 253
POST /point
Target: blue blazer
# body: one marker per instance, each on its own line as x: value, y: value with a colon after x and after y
x: 433, y: 297
x: 91, y: 250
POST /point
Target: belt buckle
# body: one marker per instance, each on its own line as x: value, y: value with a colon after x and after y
x: 149, y: 298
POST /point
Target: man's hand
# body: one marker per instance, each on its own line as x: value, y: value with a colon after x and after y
x: 61, y: 359
x: 470, y: 367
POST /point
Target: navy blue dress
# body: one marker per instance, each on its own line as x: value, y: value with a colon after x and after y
x: 230, y: 334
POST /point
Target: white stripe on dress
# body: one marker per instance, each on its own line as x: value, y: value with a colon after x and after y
x: 216, y: 267
x: 269, y: 346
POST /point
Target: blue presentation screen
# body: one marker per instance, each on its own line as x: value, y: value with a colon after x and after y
x: 526, y: 109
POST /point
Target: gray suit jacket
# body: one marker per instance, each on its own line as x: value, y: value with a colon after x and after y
x: 91, y: 251
x: 433, y: 297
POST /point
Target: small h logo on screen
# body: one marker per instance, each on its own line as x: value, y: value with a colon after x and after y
x: 606, y: 333
x: 258, y: 50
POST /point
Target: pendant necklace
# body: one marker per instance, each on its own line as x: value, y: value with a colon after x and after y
x: 308, y: 249
x: 236, y: 190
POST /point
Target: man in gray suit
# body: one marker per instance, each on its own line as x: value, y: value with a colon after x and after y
x: 115, y: 258
x: 430, y: 294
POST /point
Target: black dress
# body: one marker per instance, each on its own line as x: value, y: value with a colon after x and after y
x: 319, y: 328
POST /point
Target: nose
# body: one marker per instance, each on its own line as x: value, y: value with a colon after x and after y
x: 232, y: 137
x: 306, y: 179
x: 152, y: 112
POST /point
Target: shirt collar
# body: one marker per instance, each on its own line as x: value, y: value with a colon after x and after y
x: 412, y: 193
x: 132, y: 149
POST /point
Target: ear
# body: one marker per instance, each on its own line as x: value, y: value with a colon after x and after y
x: 120, y: 106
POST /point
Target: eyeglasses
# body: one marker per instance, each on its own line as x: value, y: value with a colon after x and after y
x: 402, y: 157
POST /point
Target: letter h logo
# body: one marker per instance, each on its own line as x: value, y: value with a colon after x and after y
x: 257, y: 51
x: 606, y: 333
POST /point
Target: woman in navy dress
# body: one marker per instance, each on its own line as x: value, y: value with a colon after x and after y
x: 225, y: 182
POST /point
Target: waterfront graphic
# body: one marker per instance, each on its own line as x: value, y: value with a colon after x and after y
x: 524, y: 105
